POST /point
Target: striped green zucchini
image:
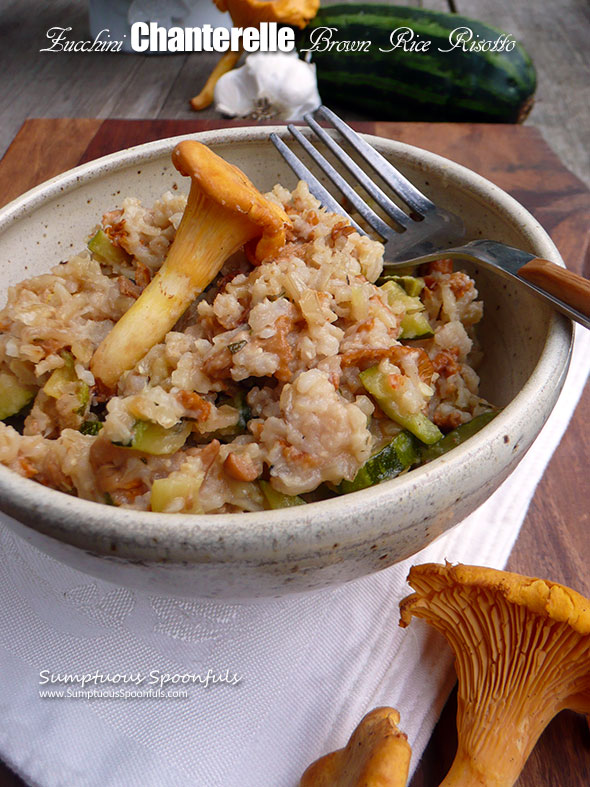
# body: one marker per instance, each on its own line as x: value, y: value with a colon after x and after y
x: 457, y: 85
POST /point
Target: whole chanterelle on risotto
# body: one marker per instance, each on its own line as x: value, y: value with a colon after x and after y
x: 231, y: 353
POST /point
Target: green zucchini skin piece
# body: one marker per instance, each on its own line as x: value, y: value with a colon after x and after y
x: 154, y: 439
x: 457, y: 436
x: 377, y: 384
x: 277, y: 499
x: 61, y: 378
x: 415, y: 326
x: 91, y: 428
x: 14, y: 396
x: 455, y: 85
x: 413, y: 285
x: 105, y: 250
x: 397, y: 456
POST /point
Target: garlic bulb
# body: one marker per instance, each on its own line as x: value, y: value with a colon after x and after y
x: 277, y: 86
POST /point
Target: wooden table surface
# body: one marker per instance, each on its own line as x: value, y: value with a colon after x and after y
x: 77, y: 84
x: 554, y: 541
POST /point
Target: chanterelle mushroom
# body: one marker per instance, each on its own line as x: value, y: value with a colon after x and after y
x: 224, y: 211
x: 522, y: 654
x: 251, y: 13
x: 377, y: 755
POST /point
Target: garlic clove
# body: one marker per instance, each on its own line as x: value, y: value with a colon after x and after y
x: 277, y: 86
x: 288, y: 83
x: 235, y: 93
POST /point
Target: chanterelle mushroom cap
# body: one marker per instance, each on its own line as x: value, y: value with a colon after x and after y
x: 377, y: 755
x: 522, y: 654
x: 224, y: 211
x: 228, y: 186
x: 250, y: 13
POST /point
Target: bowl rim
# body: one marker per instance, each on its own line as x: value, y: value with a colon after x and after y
x: 181, y: 538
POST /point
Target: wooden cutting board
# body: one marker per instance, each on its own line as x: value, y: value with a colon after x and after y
x: 555, y: 538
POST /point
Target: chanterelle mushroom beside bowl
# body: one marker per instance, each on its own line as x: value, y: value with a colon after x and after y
x: 224, y: 211
x: 522, y: 654
x: 251, y: 13
x: 377, y: 755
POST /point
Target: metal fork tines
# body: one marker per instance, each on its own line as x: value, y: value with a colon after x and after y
x: 410, y: 228
x: 425, y: 232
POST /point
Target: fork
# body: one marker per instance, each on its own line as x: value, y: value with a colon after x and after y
x: 422, y: 233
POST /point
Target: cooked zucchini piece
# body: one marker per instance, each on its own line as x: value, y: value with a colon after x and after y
x: 413, y: 285
x: 55, y: 385
x: 397, y: 456
x: 278, y: 499
x: 415, y: 326
x: 60, y: 378
x: 399, y: 300
x: 179, y: 484
x: 105, y: 250
x: 83, y: 397
x: 152, y: 438
x: 13, y: 395
x: 457, y: 436
x: 378, y: 385
x: 247, y: 495
x: 400, y: 270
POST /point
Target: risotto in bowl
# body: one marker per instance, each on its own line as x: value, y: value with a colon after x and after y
x: 222, y: 393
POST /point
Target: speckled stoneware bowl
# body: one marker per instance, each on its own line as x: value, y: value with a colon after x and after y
x: 527, y: 351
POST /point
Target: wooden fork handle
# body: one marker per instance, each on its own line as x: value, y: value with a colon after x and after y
x: 563, y: 284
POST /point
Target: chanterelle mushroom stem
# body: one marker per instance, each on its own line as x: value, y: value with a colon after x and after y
x: 223, y: 212
x: 226, y: 63
x: 522, y: 654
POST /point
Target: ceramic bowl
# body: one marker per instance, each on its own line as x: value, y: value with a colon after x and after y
x: 526, y: 347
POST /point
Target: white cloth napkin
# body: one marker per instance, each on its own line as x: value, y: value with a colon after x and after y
x: 310, y: 666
